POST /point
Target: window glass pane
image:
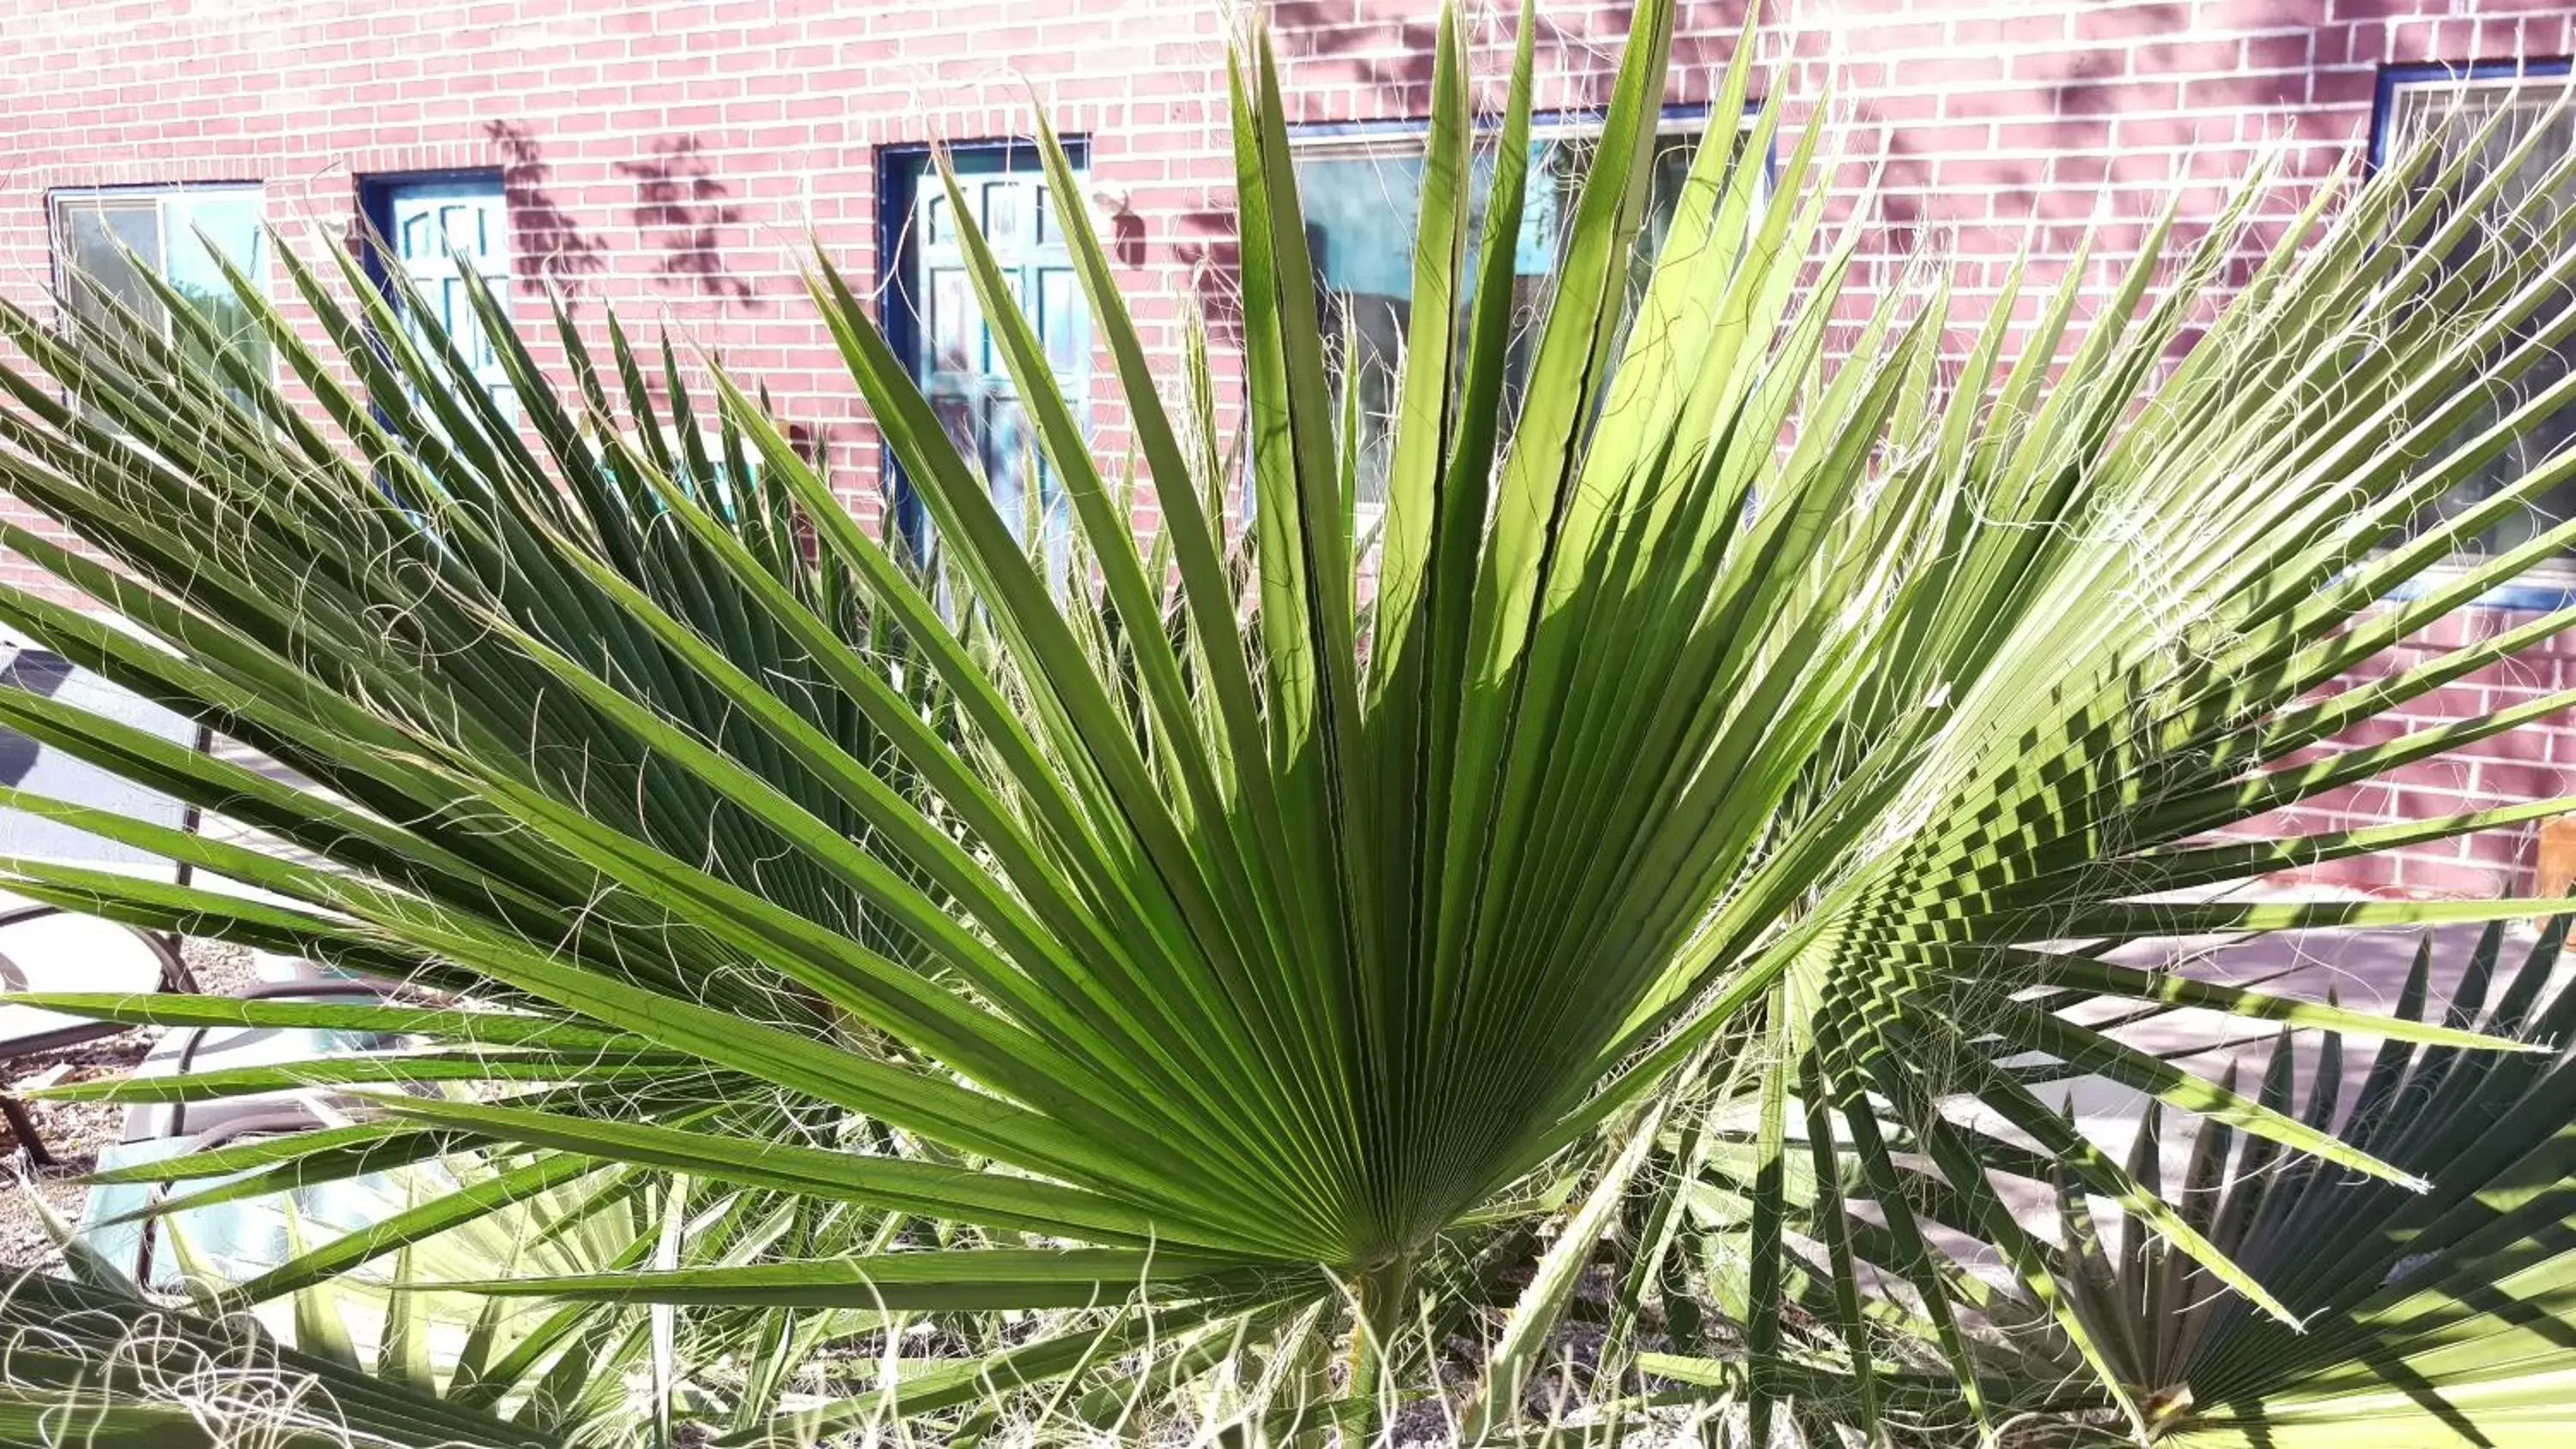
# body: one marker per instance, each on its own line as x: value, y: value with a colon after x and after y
x: 2451, y: 116
x: 436, y: 228
x: 1362, y: 219
x: 957, y: 360
x: 161, y: 227
x: 90, y: 231
x: 1362, y: 215
x: 227, y: 221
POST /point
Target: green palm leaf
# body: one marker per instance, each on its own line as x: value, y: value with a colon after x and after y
x: 1731, y: 691
x: 2438, y: 1318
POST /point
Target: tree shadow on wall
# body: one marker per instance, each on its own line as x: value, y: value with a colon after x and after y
x: 1386, y: 47
x: 1212, y: 254
x: 551, y: 248
x: 684, y: 211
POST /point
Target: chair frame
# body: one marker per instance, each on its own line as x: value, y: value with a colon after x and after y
x: 263, y: 991
x: 275, y: 1120
x: 175, y: 978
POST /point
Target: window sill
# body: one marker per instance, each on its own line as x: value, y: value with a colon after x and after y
x: 2542, y: 590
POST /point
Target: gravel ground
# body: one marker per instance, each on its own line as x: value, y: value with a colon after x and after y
x: 75, y: 1131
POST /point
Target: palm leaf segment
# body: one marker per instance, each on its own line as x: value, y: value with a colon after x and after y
x: 91, y: 1366
x: 2427, y: 1319
x: 1740, y: 689
x: 93, y: 1358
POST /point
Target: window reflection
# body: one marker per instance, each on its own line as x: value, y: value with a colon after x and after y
x: 1362, y: 204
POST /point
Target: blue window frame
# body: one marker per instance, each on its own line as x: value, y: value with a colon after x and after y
x: 927, y: 307
x: 2448, y: 105
x: 1361, y: 185
x: 2400, y: 85
x: 434, y: 225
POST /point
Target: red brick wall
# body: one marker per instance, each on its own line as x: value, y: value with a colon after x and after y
x: 2532, y: 762
x: 1990, y: 118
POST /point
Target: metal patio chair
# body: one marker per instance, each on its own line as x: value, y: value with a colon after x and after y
x: 242, y: 1235
x: 47, y: 948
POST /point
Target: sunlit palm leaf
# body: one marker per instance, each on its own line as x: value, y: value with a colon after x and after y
x: 1757, y: 700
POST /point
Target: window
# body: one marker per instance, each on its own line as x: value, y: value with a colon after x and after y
x: 1362, y: 198
x: 434, y: 227
x: 933, y: 319
x: 167, y: 230
x: 716, y: 488
x: 2449, y: 107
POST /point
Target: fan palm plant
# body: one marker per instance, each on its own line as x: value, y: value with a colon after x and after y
x: 2422, y: 1319
x: 92, y: 1366
x: 2426, y: 1320
x: 1741, y: 700
x: 98, y: 1357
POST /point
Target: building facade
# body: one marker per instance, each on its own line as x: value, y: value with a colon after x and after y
x: 676, y: 160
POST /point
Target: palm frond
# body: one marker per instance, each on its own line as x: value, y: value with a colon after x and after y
x: 1244, y: 913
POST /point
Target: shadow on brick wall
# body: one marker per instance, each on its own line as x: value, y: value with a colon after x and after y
x: 1210, y: 252
x: 1400, y: 53
x: 552, y: 249
x: 1394, y: 57
x: 684, y: 211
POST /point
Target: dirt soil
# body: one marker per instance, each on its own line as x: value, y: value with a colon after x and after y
x: 75, y: 1131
